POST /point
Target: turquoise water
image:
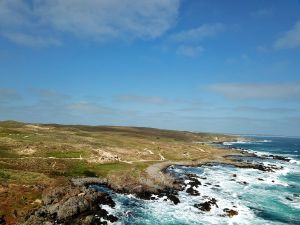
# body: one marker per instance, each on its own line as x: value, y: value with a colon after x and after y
x: 258, y: 197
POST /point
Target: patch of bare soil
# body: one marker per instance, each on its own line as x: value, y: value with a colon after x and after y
x: 101, y: 156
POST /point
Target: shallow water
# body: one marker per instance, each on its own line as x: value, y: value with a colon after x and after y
x: 258, y: 197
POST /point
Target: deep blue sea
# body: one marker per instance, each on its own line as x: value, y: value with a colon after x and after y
x: 258, y: 197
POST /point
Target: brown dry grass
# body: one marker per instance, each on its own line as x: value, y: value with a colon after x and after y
x: 35, y: 156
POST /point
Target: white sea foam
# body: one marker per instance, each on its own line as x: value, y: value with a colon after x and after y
x: 263, y: 141
x: 236, y: 142
x: 228, y: 196
x: 246, y: 142
x: 232, y: 193
x: 233, y: 188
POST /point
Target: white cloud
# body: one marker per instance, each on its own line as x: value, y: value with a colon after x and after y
x: 14, y: 13
x: 50, y: 95
x: 278, y: 110
x: 290, y: 39
x: 199, y: 33
x: 189, y: 51
x: 258, y: 91
x: 155, y: 100
x: 31, y: 40
x: 94, y: 19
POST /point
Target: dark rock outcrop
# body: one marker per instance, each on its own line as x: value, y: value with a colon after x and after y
x: 72, y: 205
x: 193, y: 183
x: 269, y: 168
x: 2, y: 220
x: 230, y: 212
x: 174, y: 199
x: 146, y: 195
x: 296, y: 195
x: 206, y: 206
x: 168, y: 194
x: 278, y: 157
x: 243, y: 182
x: 192, y: 191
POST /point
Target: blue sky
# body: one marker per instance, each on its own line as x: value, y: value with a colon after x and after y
x: 199, y: 65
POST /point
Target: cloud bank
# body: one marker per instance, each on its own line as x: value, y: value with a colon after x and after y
x: 154, y: 100
x: 199, y: 33
x: 257, y: 91
x: 43, y: 22
x: 290, y: 39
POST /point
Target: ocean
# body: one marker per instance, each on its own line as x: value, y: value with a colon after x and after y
x: 258, y: 197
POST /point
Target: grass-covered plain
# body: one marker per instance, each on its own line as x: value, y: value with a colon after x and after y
x: 36, y: 156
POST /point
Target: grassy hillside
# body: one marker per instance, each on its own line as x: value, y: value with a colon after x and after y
x: 35, y: 156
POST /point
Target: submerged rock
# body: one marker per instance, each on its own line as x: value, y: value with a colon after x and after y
x: 174, y: 199
x: 194, y: 182
x: 263, y: 168
x: 102, y: 213
x: 243, y: 182
x: 206, y: 206
x: 192, y: 191
x: 167, y: 194
x: 230, y: 212
x: 278, y: 157
x: 296, y: 195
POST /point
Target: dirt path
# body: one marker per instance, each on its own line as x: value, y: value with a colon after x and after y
x: 162, y: 158
x: 36, y: 157
x: 81, y: 158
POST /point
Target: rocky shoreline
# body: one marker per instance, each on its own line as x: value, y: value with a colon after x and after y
x: 78, y: 203
x: 72, y: 205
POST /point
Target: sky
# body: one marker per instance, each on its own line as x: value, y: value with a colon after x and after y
x: 199, y: 65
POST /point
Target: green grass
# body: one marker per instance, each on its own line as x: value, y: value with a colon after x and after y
x: 25, y: 174
x: 4, y: 132
x: 74, y: 168
x: 21, y: 177
x: 7, y: 152
x: 4, y: 176
x: 79, y: 169
x: 67, y: 154
x: 83, y: 169
x: 11, y: 124
x: 103, y: 170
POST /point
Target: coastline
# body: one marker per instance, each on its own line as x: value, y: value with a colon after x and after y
x: 168, y: 188
x: 130, y: 161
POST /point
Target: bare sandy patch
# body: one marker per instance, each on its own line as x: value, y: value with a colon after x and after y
x: 36, y: 127
x: 27, y: 151
x: 101, y: 156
